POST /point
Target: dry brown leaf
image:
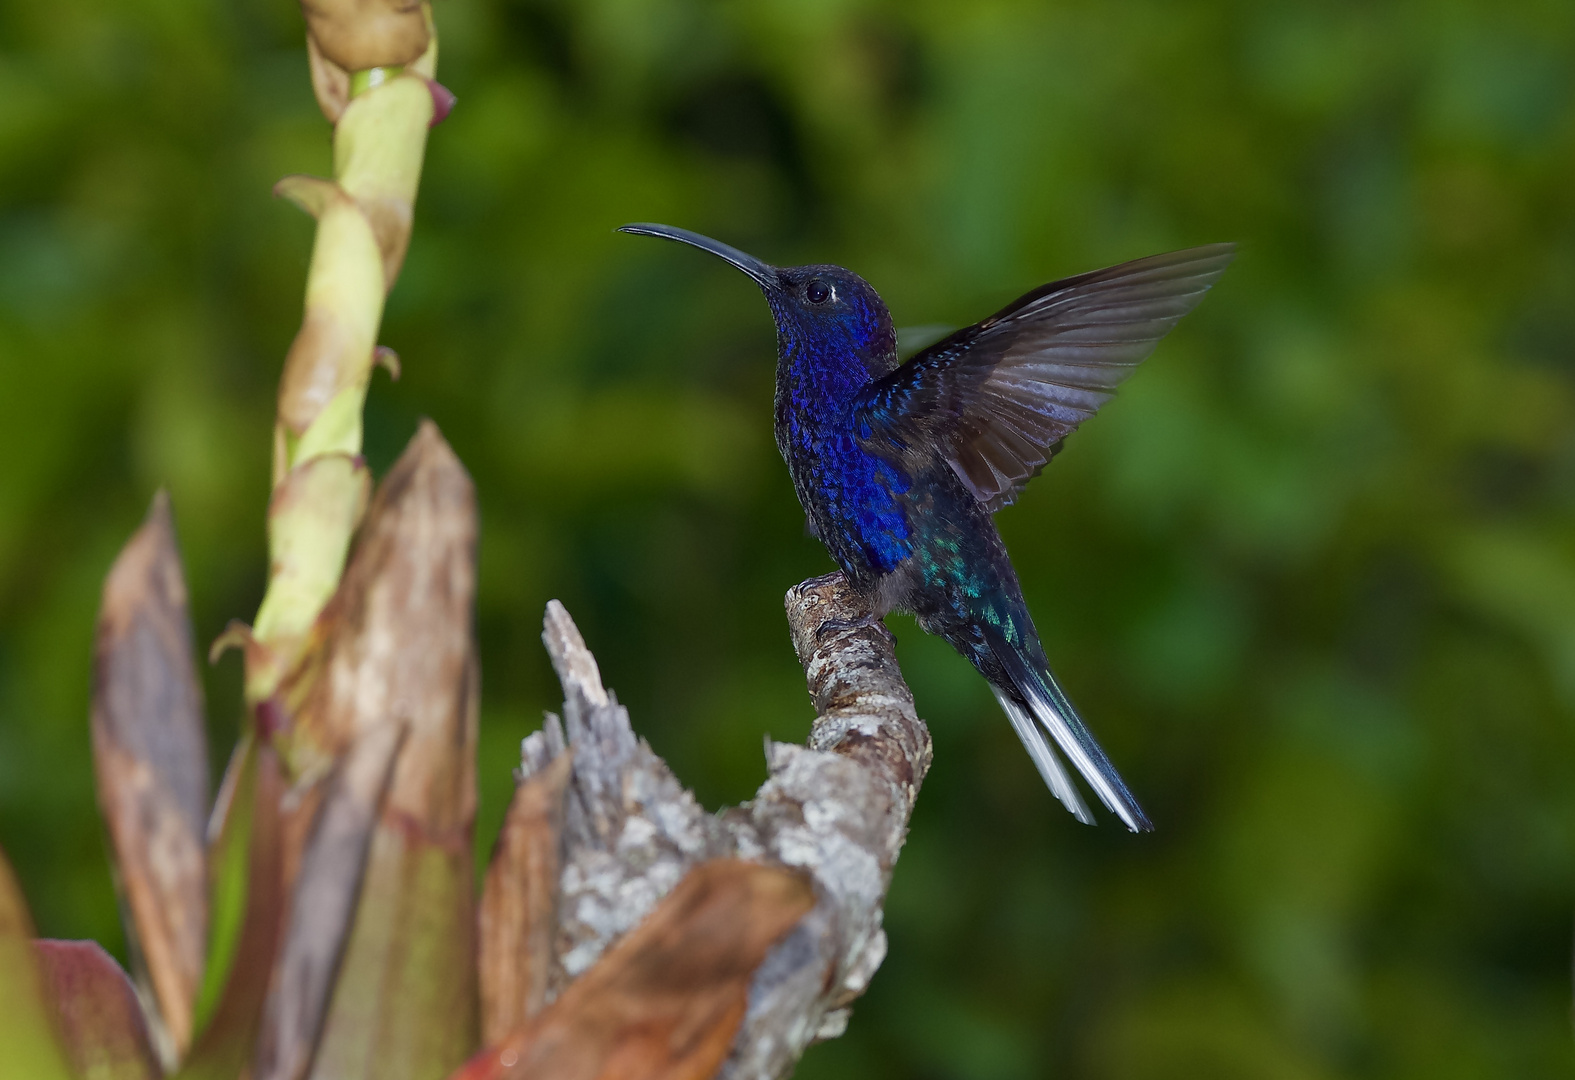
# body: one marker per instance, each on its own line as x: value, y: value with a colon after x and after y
x: 151, y: 760
x: 96, y: 1011
x: 519, y: 903
x: 325, y: 892
x: 665, y: 1002
x: 400, y: 648
x: 398, y: 635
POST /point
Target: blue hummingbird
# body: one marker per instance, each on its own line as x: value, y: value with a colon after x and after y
x: 900, y: 467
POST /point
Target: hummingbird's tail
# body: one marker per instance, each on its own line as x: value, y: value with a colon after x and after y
x: 1040, y: 707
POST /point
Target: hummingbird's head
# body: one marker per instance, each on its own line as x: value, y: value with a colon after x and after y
x: 822, y: 308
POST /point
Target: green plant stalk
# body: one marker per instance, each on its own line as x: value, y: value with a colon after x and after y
x: 321, y: 484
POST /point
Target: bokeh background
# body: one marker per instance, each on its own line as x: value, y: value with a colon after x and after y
x: 1311, y: 576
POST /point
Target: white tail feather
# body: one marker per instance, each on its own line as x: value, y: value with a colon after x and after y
x: 1048, y: 715
x: 1049, y: 765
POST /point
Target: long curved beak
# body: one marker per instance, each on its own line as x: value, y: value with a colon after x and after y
x: 765, y: 275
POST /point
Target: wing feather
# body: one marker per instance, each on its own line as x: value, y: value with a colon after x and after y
x: 998, y: 397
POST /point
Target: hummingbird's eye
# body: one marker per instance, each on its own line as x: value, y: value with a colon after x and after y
x: 817, y: 292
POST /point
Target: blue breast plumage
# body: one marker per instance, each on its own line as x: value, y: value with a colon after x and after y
x: 855, y: 499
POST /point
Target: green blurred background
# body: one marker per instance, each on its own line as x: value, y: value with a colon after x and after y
x: 1311, y: 576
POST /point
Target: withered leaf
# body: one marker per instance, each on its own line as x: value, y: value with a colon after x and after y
x: 519, y: 903
x: 326, y: 888
x: 96, y: 1011
x: 399, y: 647
x: 665, y: 1002
x: 151, y: 761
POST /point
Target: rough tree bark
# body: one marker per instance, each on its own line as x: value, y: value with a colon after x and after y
x: 837, y: 807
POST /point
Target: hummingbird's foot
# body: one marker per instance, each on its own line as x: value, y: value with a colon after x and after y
x: 847, y: 597
x: 842, y: 626
x: 823, y: 579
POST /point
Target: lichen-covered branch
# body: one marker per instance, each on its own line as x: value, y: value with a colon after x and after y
x: 837, y: 808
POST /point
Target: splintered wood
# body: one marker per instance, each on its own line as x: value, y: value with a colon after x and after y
x: 837, y: 809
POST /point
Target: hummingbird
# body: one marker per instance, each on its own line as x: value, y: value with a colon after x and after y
x: 901, y: 466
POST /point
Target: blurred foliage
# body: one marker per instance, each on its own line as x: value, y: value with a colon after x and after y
x: 1311, y: 576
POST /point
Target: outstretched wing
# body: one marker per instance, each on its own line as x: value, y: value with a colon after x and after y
x: 998, y: 397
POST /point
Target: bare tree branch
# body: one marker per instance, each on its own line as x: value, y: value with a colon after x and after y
x: 837, y: 807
